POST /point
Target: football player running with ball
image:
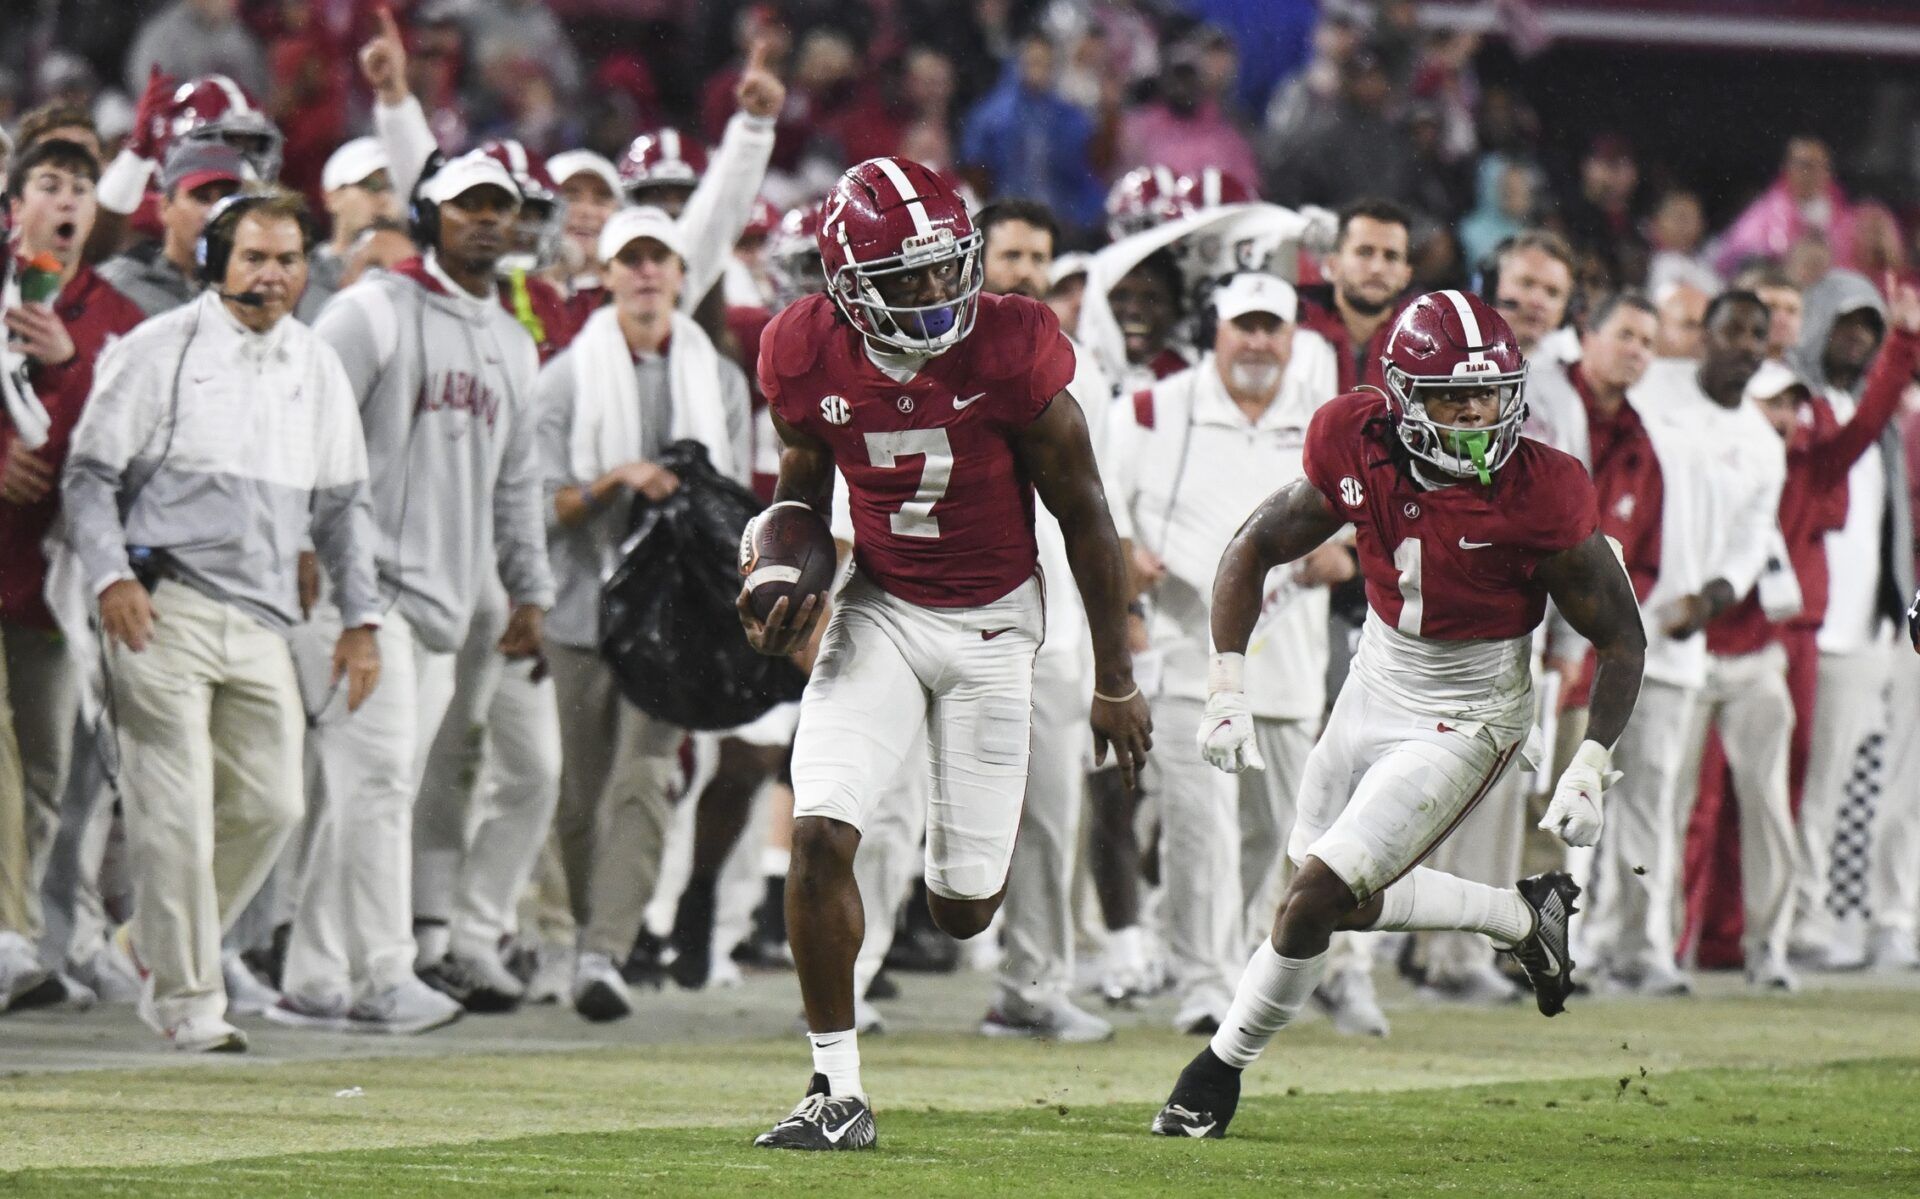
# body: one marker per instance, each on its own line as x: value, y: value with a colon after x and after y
x: 945, y: 410
x: 1465, y: 530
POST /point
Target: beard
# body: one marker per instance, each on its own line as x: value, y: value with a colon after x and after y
x: 1256, y: 377
x: 1366, y: 305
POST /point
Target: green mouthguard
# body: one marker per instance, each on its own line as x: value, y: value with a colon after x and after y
x: 1474, y: 445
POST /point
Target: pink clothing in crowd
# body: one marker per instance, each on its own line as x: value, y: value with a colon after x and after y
x: 1189, y: 145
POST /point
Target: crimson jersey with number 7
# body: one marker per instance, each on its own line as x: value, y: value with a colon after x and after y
x: 1448, y: 563
x: 942, y: 513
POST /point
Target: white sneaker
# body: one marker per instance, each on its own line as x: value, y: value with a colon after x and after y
x: 110, y: 975
x: 78, y: 996
x: 207, y: 1036
x: 1772, y: 975
x: 325, y: 1013
x: 1054, y: 1019
x: 404, y: 1009
x: 1350, y: 1003
x: 552, y: 979
x: 1892, y: 951
x: 247, y: 995
x: 20, y: 971
x: 599, y: 993
x: 725, y: 975
x: 491, y: 987
x: 1200, y: 1017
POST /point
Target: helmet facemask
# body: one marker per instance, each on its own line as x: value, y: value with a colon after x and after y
x: 1460, y: 451
x: 924, y: 328
x: 539, y: 229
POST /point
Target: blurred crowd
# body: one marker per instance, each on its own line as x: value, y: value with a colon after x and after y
x: 498, y: 204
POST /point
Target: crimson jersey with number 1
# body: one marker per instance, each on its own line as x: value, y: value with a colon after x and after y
x: 1450, y: 563
x: 942, y: 512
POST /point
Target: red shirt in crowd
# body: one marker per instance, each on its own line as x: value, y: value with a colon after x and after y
x: 94, y: 314
x: 1358, y: 364
x: 1627, y: 484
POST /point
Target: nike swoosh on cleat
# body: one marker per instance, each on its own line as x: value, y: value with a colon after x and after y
x: 833, y: 1135
x: 960, y: 405
x: 1200, y: 1131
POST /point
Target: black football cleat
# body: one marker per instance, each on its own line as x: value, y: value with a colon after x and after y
x: 1203, y: 1100
x: 823, y: 1122
x: 1543, y: 952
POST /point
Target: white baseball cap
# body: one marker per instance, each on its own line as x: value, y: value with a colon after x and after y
x: 631, y: 224
x: 1770, y: 380
x: 564, y: 166
x: 1066, y: 266
x: 1252, y: 291
x: 472, y: 169
x: 353, y: 163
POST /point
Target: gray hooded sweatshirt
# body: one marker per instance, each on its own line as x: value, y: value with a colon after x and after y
x: 1841, y: 292
x: 445, y: 384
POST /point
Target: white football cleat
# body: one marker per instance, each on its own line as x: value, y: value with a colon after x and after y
x: 247, y: 995
x: 406, y: 1008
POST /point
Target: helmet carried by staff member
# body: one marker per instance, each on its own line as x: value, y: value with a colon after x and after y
x: 1145, y: 197
x: 1453, y: 341
x: 215, y: 108
x: 887, y: 220
x: 793, y: 253
x: 662, y: 167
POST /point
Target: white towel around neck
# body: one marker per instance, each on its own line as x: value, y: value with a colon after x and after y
x: 606, y: 403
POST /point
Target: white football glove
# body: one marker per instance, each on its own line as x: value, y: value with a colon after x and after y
x: 1225, y: 735
x: 1574, y: 815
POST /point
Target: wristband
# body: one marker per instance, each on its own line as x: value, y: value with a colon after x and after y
x: 1227, y: 672
x: 1118, y: 699
x: 1594, y: 755
x: 123, y: 183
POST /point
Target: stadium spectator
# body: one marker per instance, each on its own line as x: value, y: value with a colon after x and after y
x: 190, y: 38
x: 1506, y: 197
x: 56, y: 120
x: 159, y: 276
x: 51, y: 205
x: 309, y: 73
x: 195, y: 586
x: 1804, y: 199
x: 1345, y: 148
x: 1676, y: 230
x: 1022, y: 139
x: 1184, y: 128
x: 1600, y: 219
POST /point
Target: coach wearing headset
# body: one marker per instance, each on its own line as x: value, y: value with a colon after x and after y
x: 218, y: 438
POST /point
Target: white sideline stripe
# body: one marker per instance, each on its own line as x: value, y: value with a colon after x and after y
x: 773, y: 574
x: 1468, y: 325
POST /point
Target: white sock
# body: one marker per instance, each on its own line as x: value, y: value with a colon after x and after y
x: 1124, y: 950
x: 1271, y: 993
x: 837, y: 1055
x: 1434, y: 901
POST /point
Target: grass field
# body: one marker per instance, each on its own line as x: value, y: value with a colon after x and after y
x: 1720, y: 1095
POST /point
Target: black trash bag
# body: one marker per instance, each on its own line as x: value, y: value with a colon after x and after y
x: 668, y: 626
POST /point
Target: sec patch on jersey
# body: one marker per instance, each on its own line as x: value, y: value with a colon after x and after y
x: 786, y: 553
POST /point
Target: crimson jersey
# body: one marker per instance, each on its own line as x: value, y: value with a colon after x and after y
x: 942, y: 513
x: 1452, y: 563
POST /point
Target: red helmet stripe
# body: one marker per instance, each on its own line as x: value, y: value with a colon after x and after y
x: 670, y: 145
x: 1469, y: 325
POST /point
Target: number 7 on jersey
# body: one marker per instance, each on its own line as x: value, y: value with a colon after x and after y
x: 915, y: 517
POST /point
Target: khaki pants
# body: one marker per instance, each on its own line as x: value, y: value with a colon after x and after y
x: 1201, y: 903
x: 210, y: 729
x: 1746, y: 699
x: 618, y: 768
x: 39, y: 686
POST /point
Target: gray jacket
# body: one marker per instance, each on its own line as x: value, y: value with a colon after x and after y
x: 1838, y: 293
x: 578, y: 553
x: 445, y: 386
x: 145, y: 276
x: 225, y: 449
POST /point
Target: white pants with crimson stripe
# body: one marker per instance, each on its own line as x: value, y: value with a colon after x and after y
x: 1386, y: 784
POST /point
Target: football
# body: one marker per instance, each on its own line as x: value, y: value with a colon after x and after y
x: 786, y: 551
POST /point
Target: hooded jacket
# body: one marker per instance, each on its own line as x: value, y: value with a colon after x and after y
x: 445, y: 385
x: 1824, y: 303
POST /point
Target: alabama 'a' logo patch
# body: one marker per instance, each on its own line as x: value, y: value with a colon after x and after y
x: 835, y: 410
x: 1350, y: 491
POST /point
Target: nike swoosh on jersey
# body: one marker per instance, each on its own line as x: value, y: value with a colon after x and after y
x: 960, y: 404
x: 1474, y: 545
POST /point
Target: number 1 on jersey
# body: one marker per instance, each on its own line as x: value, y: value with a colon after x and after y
x: 916, y: 518
x: 1406, y: 558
